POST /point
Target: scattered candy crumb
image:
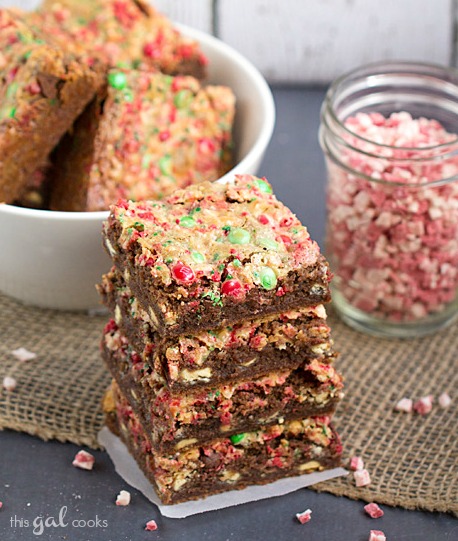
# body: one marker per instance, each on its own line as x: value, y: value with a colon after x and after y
x: 23, y: 354
x: 151, y: 526
x: 424, y: 405
x: 83, y: 460
x: 444, y: 400
x: 305, y: 516
x: 373, y: 510
x: 9, y: 383
x: 356, y: 463
x: 362, y: 478
x: 123, y: 498
x: 1, y: 505
x: 377, y: 535
x: 405, y: 405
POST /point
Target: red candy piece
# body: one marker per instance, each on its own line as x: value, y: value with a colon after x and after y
x: 373, y: 510
x: 232, y: 288
x: 183, y: 274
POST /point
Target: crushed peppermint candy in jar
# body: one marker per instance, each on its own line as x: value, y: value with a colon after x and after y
x: 393, y: 216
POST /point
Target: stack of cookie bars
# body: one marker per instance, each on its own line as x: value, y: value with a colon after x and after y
x: 221, y: 357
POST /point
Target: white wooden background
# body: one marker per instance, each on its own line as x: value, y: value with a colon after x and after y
x: 313, y: 41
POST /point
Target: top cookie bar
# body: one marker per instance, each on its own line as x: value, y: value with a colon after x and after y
x: 214, y: 254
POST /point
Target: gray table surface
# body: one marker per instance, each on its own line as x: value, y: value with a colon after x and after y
x: 37, y: 479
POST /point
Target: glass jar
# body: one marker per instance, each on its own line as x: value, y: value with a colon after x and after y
x: 389, y: 135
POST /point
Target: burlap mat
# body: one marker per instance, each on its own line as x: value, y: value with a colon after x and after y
x: 413, y: 460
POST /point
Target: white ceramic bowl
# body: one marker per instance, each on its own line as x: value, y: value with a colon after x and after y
x: 54, y: 259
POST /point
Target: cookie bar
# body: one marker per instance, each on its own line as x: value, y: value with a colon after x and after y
x: 244, y: 350
x: 177, y: 420
x: 42, y: 91
x: 151, y: 134
x: 221, y: 464
x: 215, y: 254
x: 128, y: 33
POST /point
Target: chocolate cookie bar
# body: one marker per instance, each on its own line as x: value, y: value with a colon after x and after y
x: 215, y: 254
x: 244, y: 350
x: 177, y: 420
x: 149, y: 135
x: 128, y: 33
x: 226, y: 463
x: 42, y: 91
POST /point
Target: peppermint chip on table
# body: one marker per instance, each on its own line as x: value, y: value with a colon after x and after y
x: 405, y: 405
x: 362, y: 478
x: 373, y: 510
x: 356, y: 463
x: 444, y: 400
x: 424, y: 405
x: 23, y: 354
x: 151, y: 526
x: 123, y: 498
x: 377, y: 535
x: 305, y: 516
x: 83, y: 460
x: 9, y: 383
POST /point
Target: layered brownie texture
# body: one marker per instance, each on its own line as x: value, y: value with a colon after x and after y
x: 178, y: 419
x: 221, y: 357
x: 215, y: 254
x: 128, y: 33
x: 244, y: 350
x: 226, y: 463
x: 42, y: 92
x: 142, y: 138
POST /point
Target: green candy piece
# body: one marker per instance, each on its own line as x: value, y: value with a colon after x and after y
x: 182, y: 98
x: 268, y: 243
x: 11, y: 90
x: 12, y: 112
x: 165, y: 165
x: 198, y: 257
x: 268, y: 278
x: 237, y: 438
x: 239, y: 236
x: 187, y: 221
x: 128, y: 95
x: 117, y: 80
x: 146, y: 160
x: 263, y: 186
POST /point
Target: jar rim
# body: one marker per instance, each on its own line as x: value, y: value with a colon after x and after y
x: 395, y: 67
